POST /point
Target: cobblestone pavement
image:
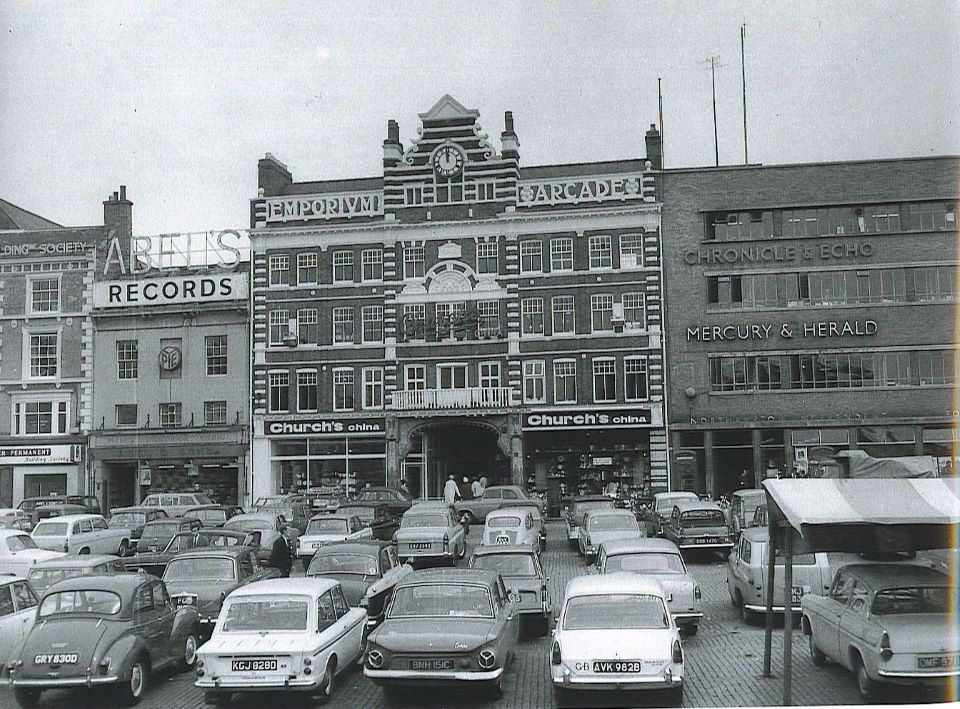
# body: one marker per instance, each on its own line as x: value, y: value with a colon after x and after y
x: 723, y: 665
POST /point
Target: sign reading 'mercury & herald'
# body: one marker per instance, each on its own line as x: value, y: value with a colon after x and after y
x: 174, y: 290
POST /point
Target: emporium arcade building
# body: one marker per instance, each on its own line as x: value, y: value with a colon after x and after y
x: 459, y: 314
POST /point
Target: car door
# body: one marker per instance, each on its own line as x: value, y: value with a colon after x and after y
x: 738, y: 565
x: 826, y: 624
x: 26, y: 601
x: 348, y: 628
x: 512, y: 618
x: 104, y: 539
x: 146, y: 623
x: 853, y: 616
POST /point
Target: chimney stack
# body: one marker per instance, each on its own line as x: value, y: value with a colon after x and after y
x: 509, y: 143
x: 654, y: 147
x: 272, y: 175
x: 392, y: 148
x: 118, y: 215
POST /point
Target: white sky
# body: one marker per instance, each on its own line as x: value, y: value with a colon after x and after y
x: 179, y: 100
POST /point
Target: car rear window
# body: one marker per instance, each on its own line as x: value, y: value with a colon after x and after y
x: 364, y: 513
x: 200, y: 568
x: 357, y: 564
x: 441, y: 600
x: 609, y: 523
x: 656, y: 563
x: 85, y: 601
x: 51, y: 529
x: 122, y: 519
x: 667, y: 503
x: 209, y: 515
x: 162, y: 527
x: 326, y: 525
x: 506, y: 564
x: 703, y: 518
x: 612, y: 611
x: 256, y: 615
x: 503, y: 522
x: 20, y: 542
x: 913, y: 599
x: 424, y: 520
x: 247, y: 525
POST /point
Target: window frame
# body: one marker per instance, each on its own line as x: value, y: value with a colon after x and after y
x: 214, y: 359
x: 375, y: 389
x: 612, y: 377
x: 560, y: 255
x: 123, y: 374
x: 536, y: 256
x: 353, y: 328
x: 595, y: 312
x: 283, y: 318
x: 282, y: 388
x: 306, y: 386
x: 530, y: 374
x: 342, y: 371
x: 172, y: 411
x: 27, y: 367
x: 29, y: 308
x: 375, y: 263
x: 630, y: 359
x: 483, y: 258
x: 60, y: 413
x: 564, y: 361
x: 407, y: 368
x: 529, y: 316
x: 628, y: 249
x: 347, y: 262
x: 214, y: 405
x: 279, y: 265
x: 572, y: 313
x: 414, y: 267
x: 377, y: 333
x: 301, y: 268
x: 598, y: 251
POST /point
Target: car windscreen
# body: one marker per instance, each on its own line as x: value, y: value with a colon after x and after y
x: 208, y: 515
x: 247, y: 525
x: 85, y: 601
x: 503, y: 522
x: 441, y: 600
x: 263, y: 614
x: 197, y: 568
x: 203, y: 499
x: 286, y: 512
x: 128, y: 519
x: 424, y: 520
x: 703, y: 518
x: 20, y: 542
x: 507, y: 564
x: 911, y: 599
x: 326, y: 524
x: 265, y: 501
x: 612, y: 523
x: 611, y: 611
x: 367, y: 514
x: 161, y: 528
x: 358, y: 564
x: 648, y: 562
x: 582, y: 507
x: 51, y: 529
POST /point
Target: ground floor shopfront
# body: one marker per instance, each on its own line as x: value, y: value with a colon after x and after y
x: 41, y: 469
x: 717, y: 459
x: 130, y: 465
x: 555, y: 452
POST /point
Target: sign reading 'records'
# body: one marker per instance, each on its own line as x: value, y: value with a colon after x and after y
x: 176, y: 290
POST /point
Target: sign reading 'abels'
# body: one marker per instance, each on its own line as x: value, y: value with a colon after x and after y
x: 181, y: 290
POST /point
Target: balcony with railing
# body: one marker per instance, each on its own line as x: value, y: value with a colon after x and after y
x: 469, y: 398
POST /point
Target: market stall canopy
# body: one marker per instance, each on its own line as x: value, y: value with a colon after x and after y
x: 861, y: 465
x: 865, y: 514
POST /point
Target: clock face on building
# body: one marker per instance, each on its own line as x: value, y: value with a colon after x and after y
x: 448, y: 161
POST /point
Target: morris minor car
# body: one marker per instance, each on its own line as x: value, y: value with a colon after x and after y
x: 524, y: 577
x: 175, y: 503
x: 156, y: 562
x: 295, y: 635
x: 539, y: 517
x: 111, y: 629
x: 614, y: 631
x: 510, y: 525
x: 604, y: 525
x: 158, y: 533
x: 19, y: 553
x: 473, y: 628
x: 327, y: 528
x: 699, y: 525
x: 577, y: 508
x: 18, y: 609
x: 659, y: 559
x: 655, y: 516
x: 431, y: 530
x: 47, y: 573
x: 493, y: 497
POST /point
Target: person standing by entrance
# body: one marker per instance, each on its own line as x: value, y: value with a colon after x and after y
x: 476, y: 488
x: 451, y: 493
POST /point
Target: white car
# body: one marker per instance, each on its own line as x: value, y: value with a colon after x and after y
x: 328, y: 528
x: 511, y: 525
x: 431, y: 530
x: 614, y: 631
x: 18, y: 610
x: 19, y: 553
x: 292, y: 634
x: 605, y: 525
x: 81, y: 534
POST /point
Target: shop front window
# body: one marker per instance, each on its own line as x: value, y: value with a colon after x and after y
x: 942, y: 444
x: 348, y: 463
x: 887, y: 441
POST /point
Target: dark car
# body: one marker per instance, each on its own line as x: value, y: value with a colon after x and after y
x: 158, y: 533
x: 524, y: 577
x: 47, y: 573
x: 213, y: 515
x: 89, y: 503
x: 376, y: 515
x: 442, y: 626
x: 325, y: 500
x: 577, y: 508
x: 699, y: 525
x: 111, y: 629
x: 155, y: 562
x: 46, y: 510
x: 134, y: 519
x: 367, y: 571
x: 396, y: 499
x: 204, y: 577
x: 265, y: 530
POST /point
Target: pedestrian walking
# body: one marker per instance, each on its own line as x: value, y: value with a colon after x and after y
x: 451, y: 493
x: 466, y: 493
x: 476, y: 488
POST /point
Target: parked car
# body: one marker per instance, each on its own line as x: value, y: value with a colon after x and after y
x: 263, y: 531
x: 292, y: 634
x: 134, y: 519
x: 396, y: 499
x: 493, y: 497
x: 48, y: 510
x: 614, y: 632
x: 155, y: 562
x: 524, y: 577
x: 577, y: 508
x: 747, y: 575
x: 743, y: 505
x: 539, y: 517
x: 203, y: 577
x: 510, y: 525
x: 473, y: 627
x: 175, y: 504
x: 81, y: 534
x: 889, y: 624
x: 367, y: 570
x: 90, y: 503
x: 328, y: 528
x: 699, y: 525
x: 11, y: 518
x: 213, y: 515
x: 18, y: 609
x: 604, y: 525
x: 279, y: 500
x: 158, y: 532
x: 431, y: 530
x: 325, y: 501
x: 657, y: 514
x: 45, y: 574
x: 659, y: 559
x: 296, y: 513
x: 19, y: 553
x: 376, y: 515
x: 110, y: 629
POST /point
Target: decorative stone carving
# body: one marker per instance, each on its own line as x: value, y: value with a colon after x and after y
x: 450, y: 249
x: 450, y: 282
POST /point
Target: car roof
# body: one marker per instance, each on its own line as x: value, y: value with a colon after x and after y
x: 70, y: 518
x: 685, y: 506
x: 332, y: 515
x: 619, y: 582
x: 135, y: 508
x: 4, y: 533
x: 679, y: 494
x: 494, y: 549
x: 373, y: 546
x: 362, y: 503
x: 516, y: 511
x: 124, y: 584
x: 881, y: 576
x: 610, y: 512
x: 216, y: 532
x: 429, y: 505
x: 208, y: 507
x: 236, y: 550
x: 10, y: 578
x: 749, y: 492
x: 168, y: 520
x: 756, y: 534
x: 503, y: 487
x: 480, y: 577
x: 253, y: 515
x: 640, y: 546
x: 309, y: 585
x: 75, y: 562
x: 591, y: 498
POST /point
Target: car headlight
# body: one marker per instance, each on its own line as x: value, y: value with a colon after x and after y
x: 375, y: 658
x: 487, y: 658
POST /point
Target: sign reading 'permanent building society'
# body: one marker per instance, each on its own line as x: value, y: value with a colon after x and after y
x: 325, y: 427
x: 577, y: 420
x: 27, y: 455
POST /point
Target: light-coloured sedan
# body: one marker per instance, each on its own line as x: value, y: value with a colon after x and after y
x: 327, y: 529
x: 81, y: 534
x: 603, y: 525
x: 614, y: 631
x: 431, y: 530
x: 19, y: 553
x: 888, y: 623
x: 659, y: 559
x: 18, y: 610
x: 510, y: 525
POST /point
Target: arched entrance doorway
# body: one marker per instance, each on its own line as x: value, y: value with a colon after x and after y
x: 436, y: 449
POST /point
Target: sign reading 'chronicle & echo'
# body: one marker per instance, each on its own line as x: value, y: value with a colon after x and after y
x: 176, y: 290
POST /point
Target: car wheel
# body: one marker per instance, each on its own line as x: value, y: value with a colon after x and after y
x: 27, y: 696
x: 214, y: 698
x: 816, y: 656
x: 122, y: 550
x: 189, y: 657
x: 690, y: 629
x: 131, y: 689
x: 85, y: 550
x: 326, y: 682
x: 867, y: 686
